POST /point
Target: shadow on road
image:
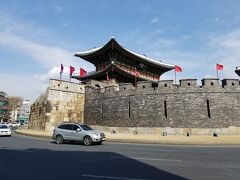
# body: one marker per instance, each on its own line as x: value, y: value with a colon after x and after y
x: 43, y: 164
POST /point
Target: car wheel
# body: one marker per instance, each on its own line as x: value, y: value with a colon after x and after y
x: 87, y: 140
x: 59, y: 139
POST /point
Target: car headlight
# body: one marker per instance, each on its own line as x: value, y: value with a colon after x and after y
x: 95, y: 134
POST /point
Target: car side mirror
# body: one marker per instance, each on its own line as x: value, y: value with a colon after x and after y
x: 78, y: 129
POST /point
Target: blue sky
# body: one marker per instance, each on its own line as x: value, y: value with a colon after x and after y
x: 37, y: 36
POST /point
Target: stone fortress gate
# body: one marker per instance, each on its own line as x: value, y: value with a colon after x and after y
x: 125, y: 94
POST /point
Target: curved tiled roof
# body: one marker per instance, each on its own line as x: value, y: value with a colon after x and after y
x: 238, y: 70
x: 91, y: 52
x: 88, y: 52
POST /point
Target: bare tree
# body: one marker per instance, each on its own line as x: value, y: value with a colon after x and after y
x: 15, y: 102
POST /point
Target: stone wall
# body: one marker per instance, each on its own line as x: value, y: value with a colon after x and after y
x: 231, y: 130
x: 165, y: 104
x: 63, y: 101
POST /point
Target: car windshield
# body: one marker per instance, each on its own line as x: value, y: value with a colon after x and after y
x: 3, y: 127
x: 86, y: 127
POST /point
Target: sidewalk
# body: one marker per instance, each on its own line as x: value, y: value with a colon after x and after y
x: 224, y: 140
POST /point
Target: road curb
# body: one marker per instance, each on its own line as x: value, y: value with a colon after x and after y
x: 171, y: 143
x: 33, y: 135
x: 137, y: 141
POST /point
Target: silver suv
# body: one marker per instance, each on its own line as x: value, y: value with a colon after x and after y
x: 77, y: 132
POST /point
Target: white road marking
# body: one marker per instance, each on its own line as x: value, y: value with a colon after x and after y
x: 151, y: 159
x: 177, y: 145
x: 110, y: 177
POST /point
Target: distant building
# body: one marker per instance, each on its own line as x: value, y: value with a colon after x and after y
x: 24, y: 112
x: 13, y: 115
x: 4, y: 99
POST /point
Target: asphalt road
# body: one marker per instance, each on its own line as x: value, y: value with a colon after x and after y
x: 28, y: 158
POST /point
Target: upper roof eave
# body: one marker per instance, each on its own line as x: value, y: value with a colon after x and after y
x: 166, y: 65
x: 150, y: 60
x: 237, y: 71
x: 88, y: 52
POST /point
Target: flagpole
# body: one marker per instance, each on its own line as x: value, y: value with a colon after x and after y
x: 135, y: 81
x: 175, y: 77
x: 217, y: 73
x: 135, y: 77
x: 61, y: 71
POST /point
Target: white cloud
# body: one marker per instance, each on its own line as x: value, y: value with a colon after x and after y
x: 12, y: 25
x: 58, y: 8
x: 226, y: 51
x: 155, y: 20
x: 25, y: 38
x: 54, y: 73
x: 49, y: 56
x: 159, y: 31
x: 30, y: 86
x: 17, y: 38
x: 198, y: 62
x: 27, y: 86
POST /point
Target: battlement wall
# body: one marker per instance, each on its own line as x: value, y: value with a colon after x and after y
x: 165, y: 104
x: 165, y: 86
x: 66, y: 86
x: 62, y: 101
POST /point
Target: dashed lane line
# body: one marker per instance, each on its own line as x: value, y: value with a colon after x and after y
x: 110, y: 177
x: 150, y: 159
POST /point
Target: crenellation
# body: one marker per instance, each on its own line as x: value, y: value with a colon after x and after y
x: 210, y: 83
x: 166, y: 84
x: 230, y: 83
x: 66, y: 86
x: 110, y: 89
x: 126, y: 87
x: 146, y: 85
x: 93, y: 91
x: 188, y: 83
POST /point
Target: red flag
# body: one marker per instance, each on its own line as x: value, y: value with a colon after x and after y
x: 72, y: 69
x: 136, y: 73
x: 219, y: 67
x: 83, y: 72
x: 178, y: 68
x: 107, y: 76
x: 61, y: 70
